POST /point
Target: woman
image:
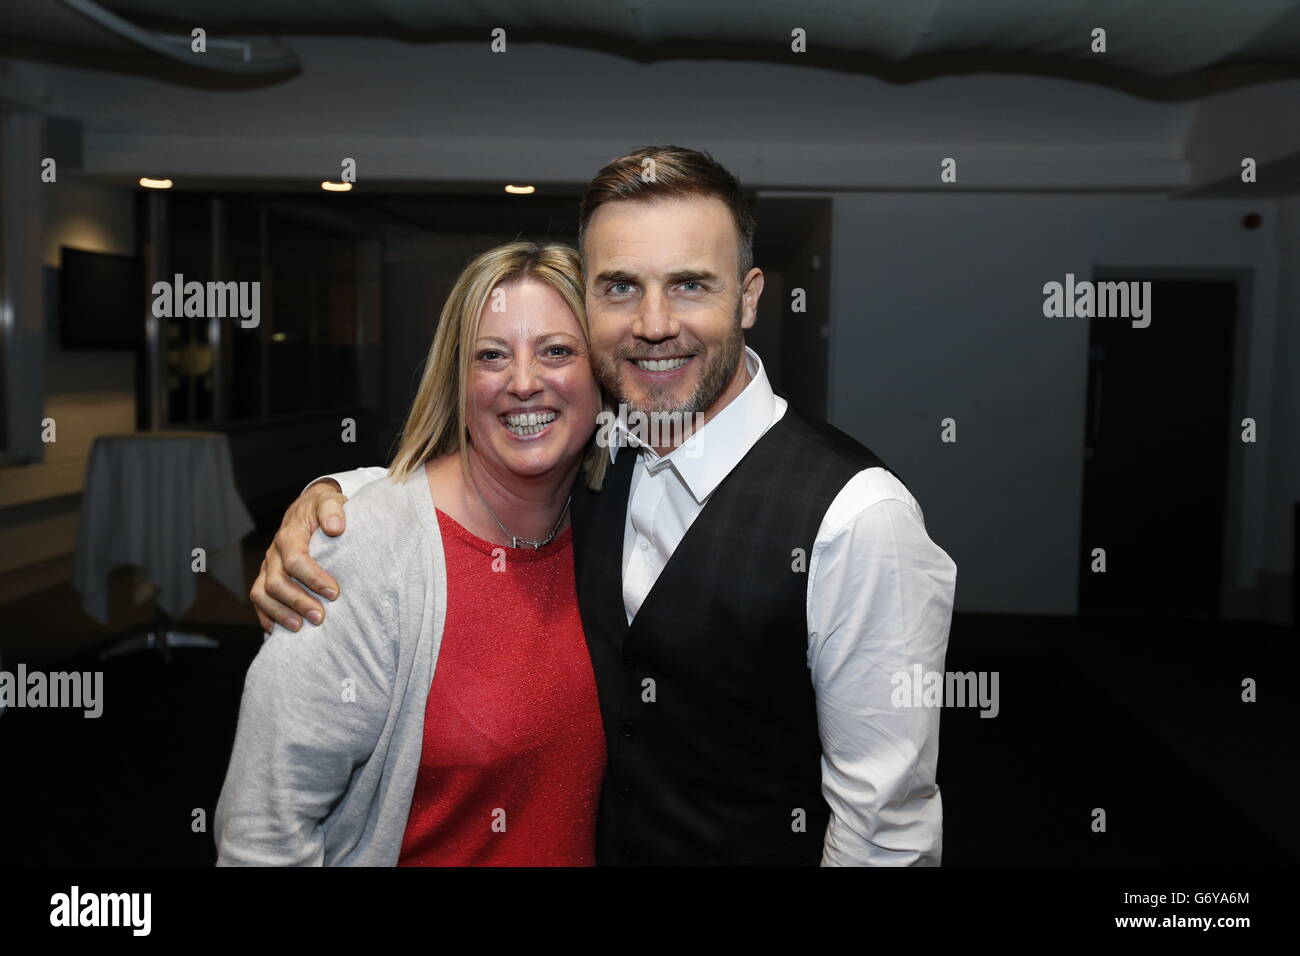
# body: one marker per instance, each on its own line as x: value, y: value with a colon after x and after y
x: 445, y: 711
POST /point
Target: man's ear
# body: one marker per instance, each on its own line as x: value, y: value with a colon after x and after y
x: 750, y: 290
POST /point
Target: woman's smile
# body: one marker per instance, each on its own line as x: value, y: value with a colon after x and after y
x: 529, y: 424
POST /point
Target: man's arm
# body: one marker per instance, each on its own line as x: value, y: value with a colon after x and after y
x: 350, y: 482
x: 280, y: 592
x: 880, y: 603
x: 313, y: 708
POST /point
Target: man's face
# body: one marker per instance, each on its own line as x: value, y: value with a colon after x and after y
x: 666, y: 307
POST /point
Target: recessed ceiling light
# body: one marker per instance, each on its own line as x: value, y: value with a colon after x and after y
x: 521, y: 190
x: 148, y: 183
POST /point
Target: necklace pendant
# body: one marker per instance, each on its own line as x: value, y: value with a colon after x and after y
x: 515, y: 539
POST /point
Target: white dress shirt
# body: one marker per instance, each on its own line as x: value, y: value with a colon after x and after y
x: 880, y: 596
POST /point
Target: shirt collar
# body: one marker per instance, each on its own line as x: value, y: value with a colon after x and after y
x: 709, y: 455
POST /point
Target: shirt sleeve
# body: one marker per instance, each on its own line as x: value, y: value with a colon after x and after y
x: 880, y: 596
x: 353, y: 481
x: 314, y: 706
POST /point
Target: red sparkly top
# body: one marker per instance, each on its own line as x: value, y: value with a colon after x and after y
x: 514, y: 750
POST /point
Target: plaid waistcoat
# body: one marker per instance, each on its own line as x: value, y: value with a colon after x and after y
x: 708, y: 708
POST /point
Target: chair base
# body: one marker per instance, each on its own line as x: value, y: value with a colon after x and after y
x: 162, y: 640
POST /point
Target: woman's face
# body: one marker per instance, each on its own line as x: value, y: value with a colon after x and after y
x: 532, y: 397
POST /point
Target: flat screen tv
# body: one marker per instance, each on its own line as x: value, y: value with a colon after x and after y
x: 103, y: 301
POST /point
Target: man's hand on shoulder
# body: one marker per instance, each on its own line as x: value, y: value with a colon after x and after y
x: 277, y: 594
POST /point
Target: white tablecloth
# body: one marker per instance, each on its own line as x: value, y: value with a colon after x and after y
x: 150, y: 499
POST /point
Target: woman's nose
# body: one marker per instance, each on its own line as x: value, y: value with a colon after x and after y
x: 524, y: 380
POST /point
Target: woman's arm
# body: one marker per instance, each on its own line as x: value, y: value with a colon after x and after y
x: 311, y: 714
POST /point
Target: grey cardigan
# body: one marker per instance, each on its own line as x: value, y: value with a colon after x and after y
x: 331, y: 724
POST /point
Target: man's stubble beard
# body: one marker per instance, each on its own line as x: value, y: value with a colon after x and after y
x: 713, y: 382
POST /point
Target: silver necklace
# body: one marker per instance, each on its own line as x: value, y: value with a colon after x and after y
x: 514, y: 539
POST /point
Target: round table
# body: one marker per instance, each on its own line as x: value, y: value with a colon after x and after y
x: 150, y: 499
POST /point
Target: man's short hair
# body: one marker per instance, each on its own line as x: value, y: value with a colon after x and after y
x: 662, y: 172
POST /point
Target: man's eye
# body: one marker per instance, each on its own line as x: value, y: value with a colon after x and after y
x: 692, y: 282
x: 620, y: 288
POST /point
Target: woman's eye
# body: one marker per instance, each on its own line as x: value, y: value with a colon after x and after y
x: 559, y: 351
x: 489, y: 355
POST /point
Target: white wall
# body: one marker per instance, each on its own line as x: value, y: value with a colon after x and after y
x: 1284, y: 465
x: 937, y: 305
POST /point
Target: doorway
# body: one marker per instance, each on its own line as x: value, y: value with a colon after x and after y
x: 1156, y: 457
x: 793, y: 248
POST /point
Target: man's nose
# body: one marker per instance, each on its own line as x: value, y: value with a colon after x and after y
x: 654, y: 318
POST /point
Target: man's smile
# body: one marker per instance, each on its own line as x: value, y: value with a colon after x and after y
x: 660, y: 369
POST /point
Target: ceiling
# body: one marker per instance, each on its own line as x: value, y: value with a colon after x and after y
x: 1148, y: 43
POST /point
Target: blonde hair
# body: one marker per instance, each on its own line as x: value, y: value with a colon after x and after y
x: 435, y: 425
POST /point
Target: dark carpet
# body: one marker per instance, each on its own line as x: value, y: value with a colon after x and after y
x: 1142, y: 719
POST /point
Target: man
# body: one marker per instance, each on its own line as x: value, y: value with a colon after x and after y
x: 775, y: 576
